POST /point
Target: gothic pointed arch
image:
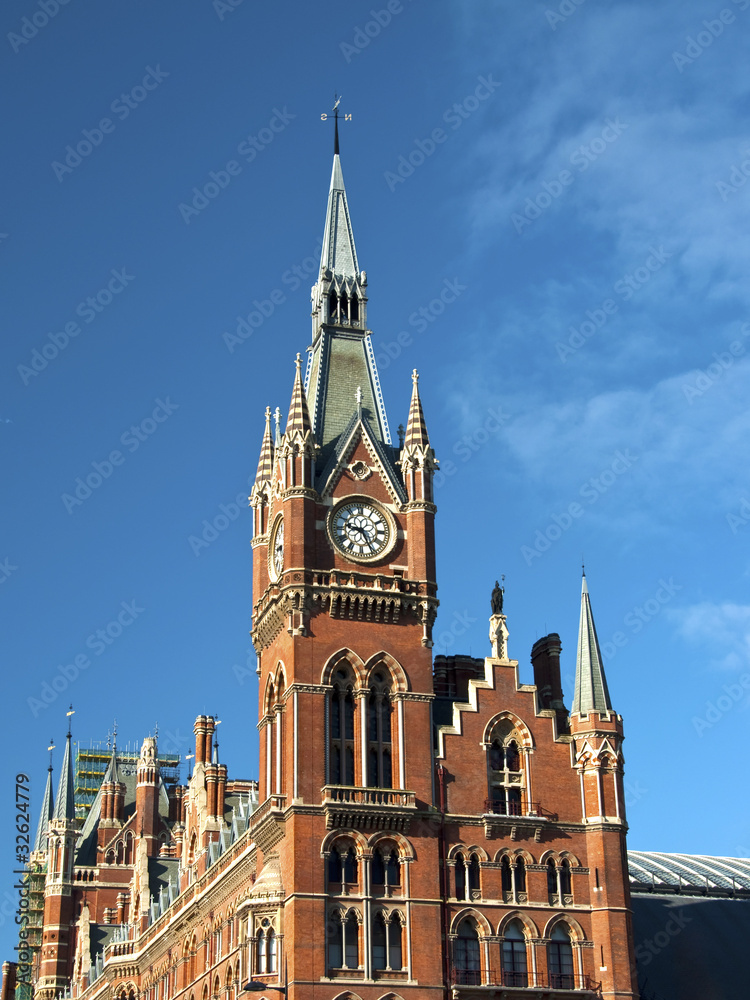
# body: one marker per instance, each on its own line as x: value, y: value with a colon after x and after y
x: 341, y: 658
x: 403, y: 846
x: 518, y: 729
x: 269, y: 695
x: 383, y: 660
x: 483, y: 925
x: 570, y: 923
x: 357, y: 838
x: 530, y: 928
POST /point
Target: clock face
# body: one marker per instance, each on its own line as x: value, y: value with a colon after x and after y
x: 277, y: 549
x: 360, y: 530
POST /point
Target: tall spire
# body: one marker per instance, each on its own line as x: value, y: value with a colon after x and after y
x: 339, y: 253
x: 591, y: 693
x: 416, y: 429
x: 65, y: 803
x: 40, y: 841
x: 265, y: 462
x: 299, y: 415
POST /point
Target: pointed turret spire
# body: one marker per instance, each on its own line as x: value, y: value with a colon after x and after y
x: 40, y: 841
x: 265, y: 462
x: 299, y: 415
x: 416, y: 429
x: 278, y: 435
x: 339, y: 253
x: 65, y: 803
x: 591, y: 693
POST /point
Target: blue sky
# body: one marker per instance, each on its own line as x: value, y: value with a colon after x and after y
x: 575, y: 173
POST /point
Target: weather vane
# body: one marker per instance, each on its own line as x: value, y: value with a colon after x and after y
x: 335, y: 112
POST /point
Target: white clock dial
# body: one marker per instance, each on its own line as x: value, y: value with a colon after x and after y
x: 277, y: 549
x: 360, y: 530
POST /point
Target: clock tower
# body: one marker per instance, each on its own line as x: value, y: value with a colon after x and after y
x: 344, y: 600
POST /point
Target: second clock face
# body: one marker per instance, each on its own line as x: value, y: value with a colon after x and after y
x: 277, y: 553
x: 360, y: 530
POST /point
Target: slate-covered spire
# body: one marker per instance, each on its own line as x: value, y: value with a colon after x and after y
x: 265, y: 462
x: 591, y: 693
x: 339, y: 253
x: 112, y: 774
x: 299, y: 416
x: 40, y: 841
x: 343, y: 357
x: 65, y: 803
x: 416, y: 429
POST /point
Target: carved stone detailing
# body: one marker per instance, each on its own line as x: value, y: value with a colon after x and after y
x: 499, y: 637
x: 356, y: 808
x: 352, y: 596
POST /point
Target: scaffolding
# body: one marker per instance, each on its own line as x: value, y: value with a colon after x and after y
x: 92, y: 763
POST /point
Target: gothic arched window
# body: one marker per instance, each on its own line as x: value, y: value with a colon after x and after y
x: 351, y: 941
x: 460, y: 877
x: 560, y: 960
x: 505, y: 771
x: 395, y: 951
x: 466, y: 959
x: 379, y: 733
x: 565, y: 886
x: 341, y: 728
x: 551, y: 878
x: 506, y: 875
x: 514, y: 956
x: 379, y: 942
x: 473, y: 872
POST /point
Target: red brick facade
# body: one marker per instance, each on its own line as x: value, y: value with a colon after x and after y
x: 419, y: 830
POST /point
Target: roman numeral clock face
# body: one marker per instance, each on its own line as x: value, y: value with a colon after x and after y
x: 360, y: 530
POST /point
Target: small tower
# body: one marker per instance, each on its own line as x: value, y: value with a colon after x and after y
x: 147, y: 796
x: 597, y: 733
x: 418, y: 465
x: 56, y: 956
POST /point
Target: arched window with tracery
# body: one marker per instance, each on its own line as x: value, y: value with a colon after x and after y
x: 515, y: 969
x: 560, y: 959
x: 475, y: 890
x: 351, y: 941
x: 385, y: 869
x: 379, y: 767
x: 460, y: 877
x: 467, y: 965
x: 506, y: 778
x: 565, y: 881
x: 341, y: 728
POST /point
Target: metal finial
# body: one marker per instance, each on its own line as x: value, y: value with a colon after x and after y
x: 298, y: 362
x: 358, y: 395
x: 401, y: 434
x: 415, y: 376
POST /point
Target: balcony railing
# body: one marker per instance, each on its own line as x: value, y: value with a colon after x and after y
x: 353, y: 795
x: 527, y: 980
x: 497, y: 807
